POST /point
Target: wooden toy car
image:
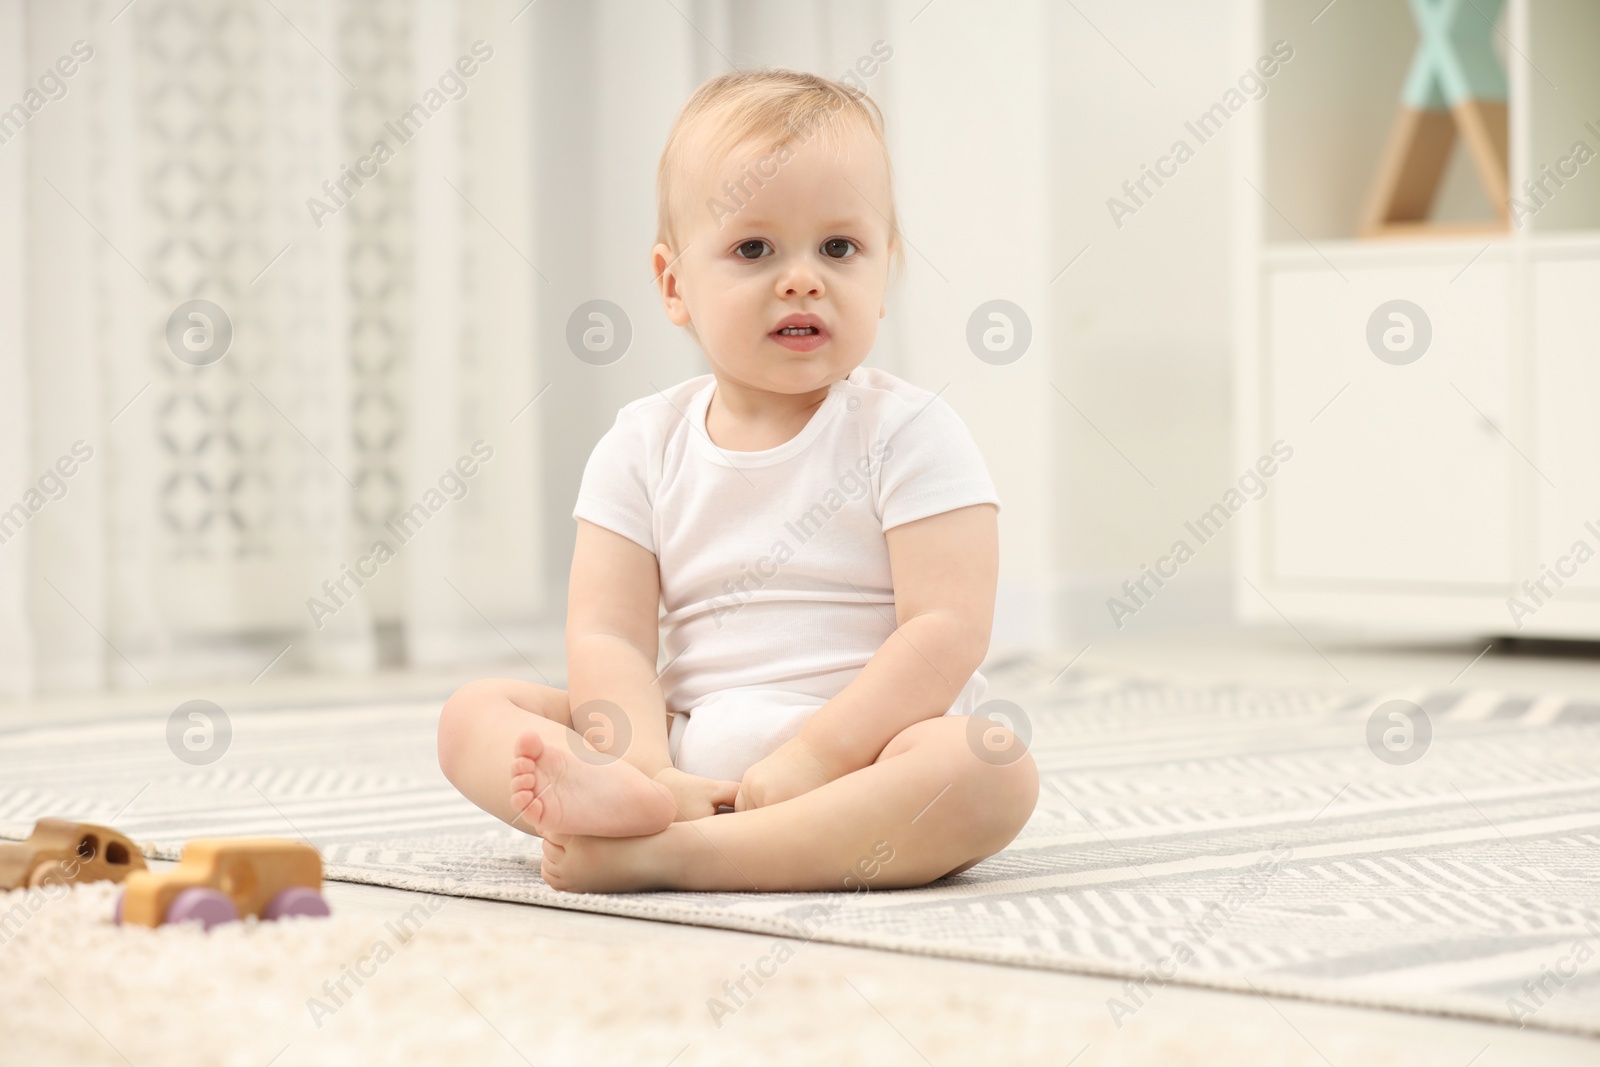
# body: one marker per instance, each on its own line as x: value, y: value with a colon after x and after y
x: 218, y: 880
x: 67, y: 852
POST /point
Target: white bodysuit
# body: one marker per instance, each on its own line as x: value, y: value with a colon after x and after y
x: 775, y: 581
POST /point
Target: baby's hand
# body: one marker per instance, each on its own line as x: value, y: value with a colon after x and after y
x: 696, y: 797
x: 787, y: 773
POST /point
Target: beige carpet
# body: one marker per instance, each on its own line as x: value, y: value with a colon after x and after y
x: 449, y: 981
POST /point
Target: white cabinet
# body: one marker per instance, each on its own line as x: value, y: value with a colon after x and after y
x: 1432, y: 495
x: 1423, y: 495
x: 1404, y: 476
x: 1565, y: 297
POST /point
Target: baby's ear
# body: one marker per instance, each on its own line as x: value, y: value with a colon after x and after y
x: 661, y: 261
x: 660, y: 255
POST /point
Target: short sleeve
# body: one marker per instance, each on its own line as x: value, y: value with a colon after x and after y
x: 615, y: 489
x: 932, y: 465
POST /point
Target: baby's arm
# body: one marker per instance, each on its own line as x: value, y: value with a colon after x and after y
x: 945, y: 569
x: 612, y: 610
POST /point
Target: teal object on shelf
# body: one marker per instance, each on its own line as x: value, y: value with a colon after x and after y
x: 1455, y: 58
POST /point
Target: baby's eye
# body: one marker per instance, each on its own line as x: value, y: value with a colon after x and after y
x: 837, y: 247
x: 755, y: 245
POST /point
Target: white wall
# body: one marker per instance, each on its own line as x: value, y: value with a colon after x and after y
x: 1144, y: 331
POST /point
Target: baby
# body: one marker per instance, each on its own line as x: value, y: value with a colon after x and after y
x: 813, y: 542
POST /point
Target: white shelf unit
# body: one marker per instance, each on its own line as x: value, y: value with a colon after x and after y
x: 1420, y: 497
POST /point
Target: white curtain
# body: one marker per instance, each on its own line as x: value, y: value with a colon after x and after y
x: 305, y: 500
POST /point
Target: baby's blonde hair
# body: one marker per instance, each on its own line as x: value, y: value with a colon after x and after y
x: 778, y: 106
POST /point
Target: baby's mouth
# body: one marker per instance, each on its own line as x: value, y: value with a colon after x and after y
x: 805, y: 335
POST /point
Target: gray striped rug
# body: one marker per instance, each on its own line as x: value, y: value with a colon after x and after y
x: 1241, y: 839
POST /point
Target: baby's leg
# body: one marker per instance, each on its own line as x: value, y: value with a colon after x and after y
x: 509, y: 747
x: 927, y: 807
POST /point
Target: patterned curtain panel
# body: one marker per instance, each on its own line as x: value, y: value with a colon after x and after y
x: 266, y: 339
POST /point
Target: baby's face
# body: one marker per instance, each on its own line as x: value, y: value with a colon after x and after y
x: 812, y: 241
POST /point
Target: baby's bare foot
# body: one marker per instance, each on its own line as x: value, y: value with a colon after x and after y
x: 556, y: 791
x: 577, y: 864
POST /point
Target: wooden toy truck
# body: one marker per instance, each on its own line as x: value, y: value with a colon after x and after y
x: 218, y: 880
x: 67, y: 852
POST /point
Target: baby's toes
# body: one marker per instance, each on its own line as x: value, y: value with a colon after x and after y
x: 528, y: 746
x: 526, y: 803
x: 525, y: 797
x: 550, y: 866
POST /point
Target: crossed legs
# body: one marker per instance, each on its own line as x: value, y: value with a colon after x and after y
x: 929, y: 805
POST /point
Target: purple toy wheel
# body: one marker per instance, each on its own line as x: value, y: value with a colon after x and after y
x: 207, y: 906
x: 116, y: 914
x: 297, y: 900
